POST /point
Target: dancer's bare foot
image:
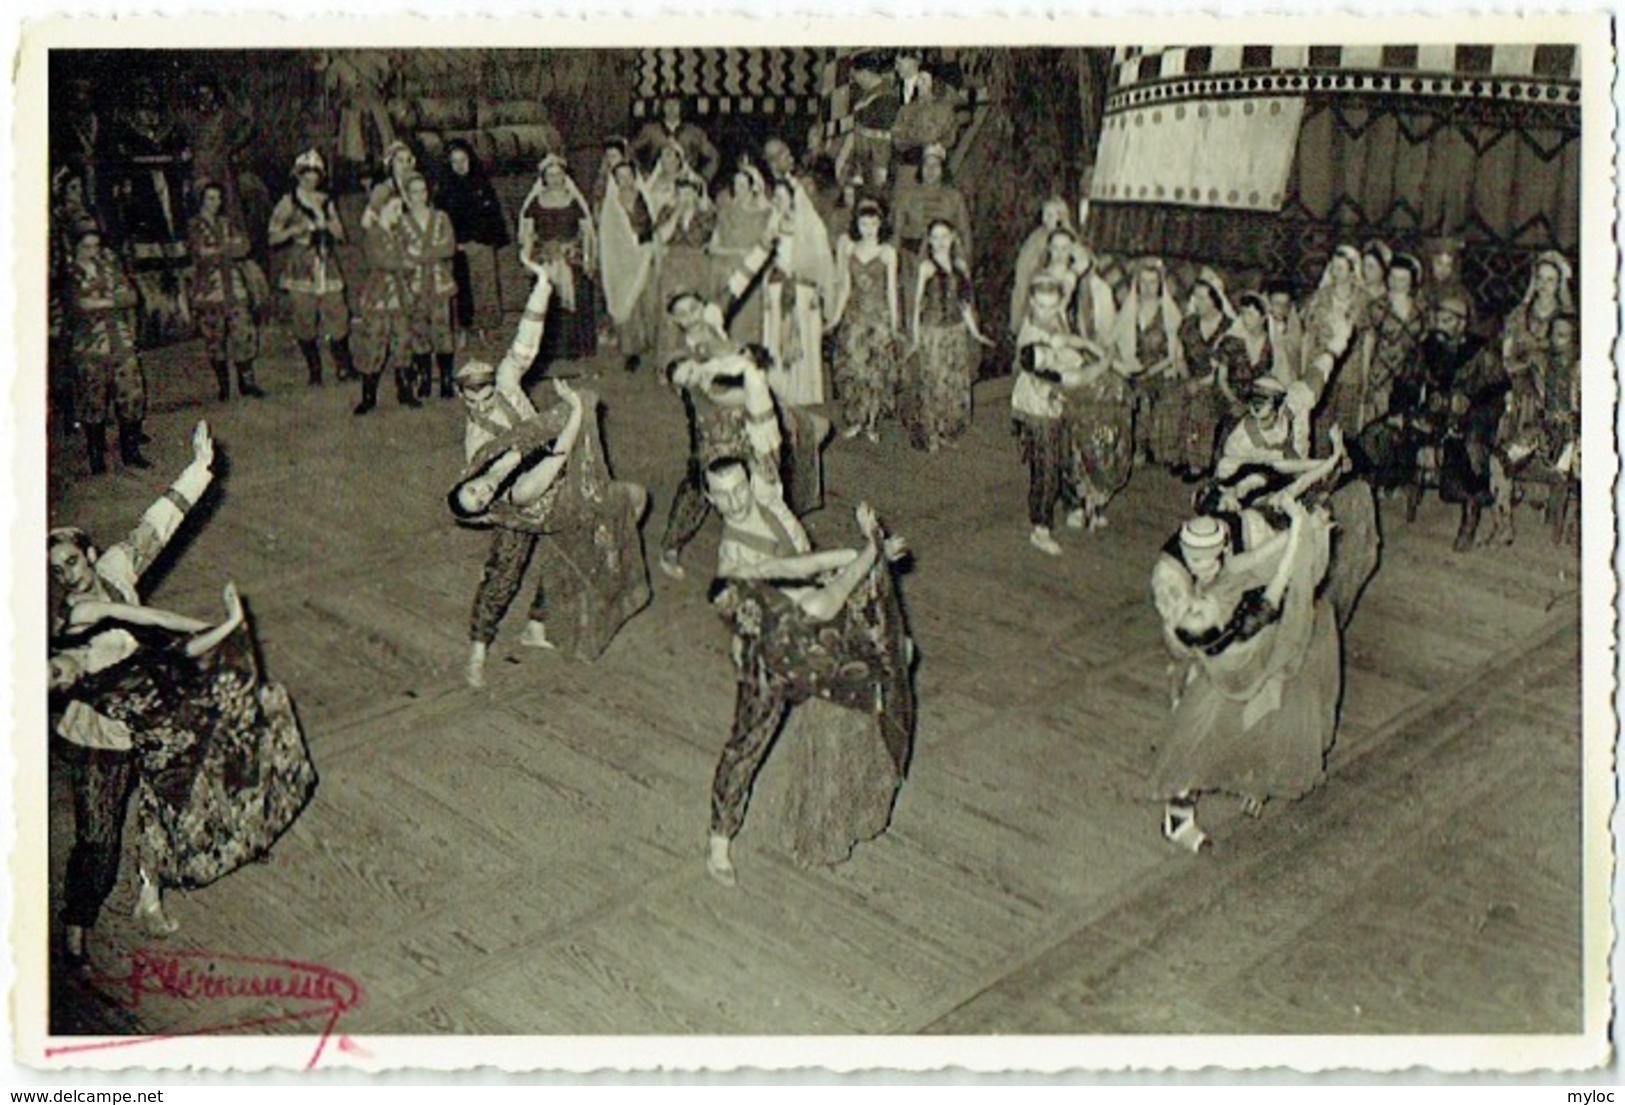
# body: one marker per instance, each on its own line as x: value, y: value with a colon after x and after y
x: 149, y: 910
x: 474, y: 672
x: 1179, y: 827
x: 1044, y: 542
x: 535, y: 636
x: 719, y: 862
x: 76, y: 947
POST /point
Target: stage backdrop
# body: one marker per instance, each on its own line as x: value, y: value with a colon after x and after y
x: 959, y: 70
x: 1277, y: 153
x: 730, y: 81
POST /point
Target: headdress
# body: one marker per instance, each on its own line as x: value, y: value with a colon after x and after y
x: 1267, y: 387
x: 757, y: 180
x: 67, y: 535
x: 1255, y: 300
x: 1379, y: 249
x: 1410, y: 263
x: 310, y: 159
x: 1057, y: 202
x: 1565, y: 275
x: 476, y: 168
x: 1558, y: 261
x: 1203, y: 532
x: 1141, y: 264
x: 867, y: 208
x: 475, y: 373
x: 1347, y: 253
x: 1215, y: 283
x: 553, y: 160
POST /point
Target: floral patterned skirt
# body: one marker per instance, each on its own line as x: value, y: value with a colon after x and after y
x: 223, y: 776
x: 848, y: 686
x: 1102, y: 420
x: 865, y: 372
x: 934, y: 395
x: 1200, y: 408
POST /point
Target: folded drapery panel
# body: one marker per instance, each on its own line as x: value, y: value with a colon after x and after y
x: 1509, y: 175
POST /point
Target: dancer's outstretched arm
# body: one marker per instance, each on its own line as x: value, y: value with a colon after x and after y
x: 85, y: 614
x: 127, y: 560
x: 528, y: 338
x: 207, y: 637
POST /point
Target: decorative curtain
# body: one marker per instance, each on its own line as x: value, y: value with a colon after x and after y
x: 730, y: 80
x: 1509, y: 175
x: 1398, y: 142
x: 1202, y: 153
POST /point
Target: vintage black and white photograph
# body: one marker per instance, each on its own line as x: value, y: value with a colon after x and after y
x: 1067, y: 538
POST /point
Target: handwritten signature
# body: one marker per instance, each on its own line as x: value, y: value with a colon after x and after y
x: 311, y: 992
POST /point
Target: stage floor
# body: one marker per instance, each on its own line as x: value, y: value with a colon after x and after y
x: 529, y: 858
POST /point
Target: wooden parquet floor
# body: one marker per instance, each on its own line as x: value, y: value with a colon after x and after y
x: 528, y: 859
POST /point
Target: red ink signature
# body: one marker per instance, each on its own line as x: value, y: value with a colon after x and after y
x: 211, y: 977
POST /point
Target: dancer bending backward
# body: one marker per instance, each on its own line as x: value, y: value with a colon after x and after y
x: 220, y: 764
x: 100, y: 760
x: 711, y: 382
x: 806, y: 624
x: 1257, y: 662
x: 529, y: 475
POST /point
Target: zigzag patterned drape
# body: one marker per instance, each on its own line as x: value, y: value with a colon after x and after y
x: 1500, y: 174
x: 730, y: 80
